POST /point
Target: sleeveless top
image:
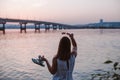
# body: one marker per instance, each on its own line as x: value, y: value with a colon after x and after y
x: 63, y: 73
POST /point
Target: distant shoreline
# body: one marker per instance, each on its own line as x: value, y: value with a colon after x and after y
x: 73, y: 28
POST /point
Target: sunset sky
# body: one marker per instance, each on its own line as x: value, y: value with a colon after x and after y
x: 62, y: 11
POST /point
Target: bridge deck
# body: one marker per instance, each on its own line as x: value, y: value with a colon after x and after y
x: 35, y: 22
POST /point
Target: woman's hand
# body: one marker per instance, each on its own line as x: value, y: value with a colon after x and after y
x: 69, y: 34
x: 43, y: 58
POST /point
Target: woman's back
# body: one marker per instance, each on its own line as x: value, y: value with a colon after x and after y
x: 63, y: 72
x: 63, y: 63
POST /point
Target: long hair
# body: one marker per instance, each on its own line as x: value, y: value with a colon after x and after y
x: 64, y: 49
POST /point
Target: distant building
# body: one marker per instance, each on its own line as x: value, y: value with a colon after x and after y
x: 102, y: 24
x: 101, y: 20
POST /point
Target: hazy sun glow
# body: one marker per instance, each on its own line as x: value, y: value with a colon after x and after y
x: 63, y: 11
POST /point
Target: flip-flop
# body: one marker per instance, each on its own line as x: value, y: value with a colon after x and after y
x: 39, y: 62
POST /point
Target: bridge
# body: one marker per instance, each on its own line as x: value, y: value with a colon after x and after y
x: 37, y: 24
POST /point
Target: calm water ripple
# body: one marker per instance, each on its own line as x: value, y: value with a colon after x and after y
x: 94, y: 47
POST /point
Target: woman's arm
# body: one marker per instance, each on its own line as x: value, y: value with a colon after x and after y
x: 52, y: 69
x: 73, y: 40
x: 74, y: 51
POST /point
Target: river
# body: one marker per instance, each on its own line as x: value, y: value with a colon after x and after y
x: 95, y: 46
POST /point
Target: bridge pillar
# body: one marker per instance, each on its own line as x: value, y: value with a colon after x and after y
x: 3, y: 26
x: 37, y: 27
x: 47, y: 28
x: 60, y: 27
x: 23, y: 27
x: 54, y: 27
x: 64, y: 27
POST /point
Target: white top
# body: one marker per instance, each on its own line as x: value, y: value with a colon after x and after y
x: 63, y: 73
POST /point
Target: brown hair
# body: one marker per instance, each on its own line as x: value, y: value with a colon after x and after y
x: 64, y: 49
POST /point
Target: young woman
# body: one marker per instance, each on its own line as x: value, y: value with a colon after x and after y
x: 64, y: 61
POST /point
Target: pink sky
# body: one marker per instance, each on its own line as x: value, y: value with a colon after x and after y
x: 62, y: 11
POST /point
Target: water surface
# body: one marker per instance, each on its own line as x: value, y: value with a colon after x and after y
x: 94, y: 48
